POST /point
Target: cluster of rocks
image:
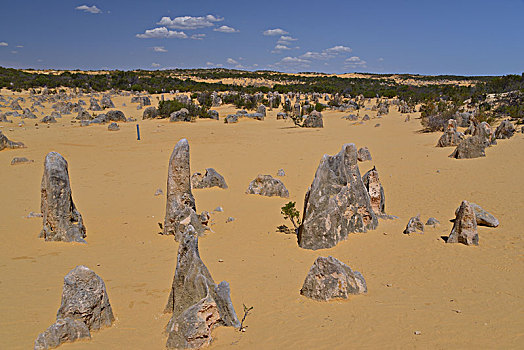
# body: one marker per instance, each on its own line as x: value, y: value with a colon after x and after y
x: 233, y: 118
x: 451, y: 136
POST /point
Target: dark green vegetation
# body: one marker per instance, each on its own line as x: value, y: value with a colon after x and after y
x: 167, y: 80
x: 290, y: 212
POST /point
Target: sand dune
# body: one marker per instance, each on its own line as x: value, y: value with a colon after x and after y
x: 456, y: 296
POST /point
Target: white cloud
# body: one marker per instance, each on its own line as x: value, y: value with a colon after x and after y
x: 279, y: 48
x: 155, y: 65
x: 90, y: 9
x: 14, y: 52
x: 354, y: 61
x: 276, y: 31
x: 161, y: 32
x: 380, y: 59
x: 285, y: 39
x: 293, y: 61
x: 338, y: 49
x: 159, y: 49
x: 231, y: 61
x: 316, y: 55
x: 3, y: 43
x: 189, y: 22
x: 20, y: 46
x: 226, y: 29
x: 326, y: 54
x: 198, y: 36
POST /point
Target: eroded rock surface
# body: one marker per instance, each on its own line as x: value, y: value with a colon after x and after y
x: 337, y: 203
x: 85, y: 307
x: 180, y: 205
x: 267, y: 185
x: 465, y: 226
x: 414, y: 225
x: 62, y: 221
x: 211, y: 178
x: 482, y: 217
x: 196, y: 302
x: 451, y: 136
x: 329, y: 278
x: 6, y: 143
x: 376, y: 191
x: 363, y: 154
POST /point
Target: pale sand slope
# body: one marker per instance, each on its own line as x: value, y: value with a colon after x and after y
x: 114, y: 178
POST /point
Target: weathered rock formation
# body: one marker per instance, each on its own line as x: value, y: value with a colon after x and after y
x: 505, y: 130
x: 210, y: 179
x: 376, y: 191
x: 329, y: 278
x: 62, y: 221
x: 85, y: 307
x: 313, y: 120
x: 471, y: 147
x: 414, y: 225
x: 451, y: 136
x: 363, y: 154
x: 6, y: 143
x: 465, y: 227
x: 337, y: 203
x: 483, y: 218
x: 432, y: 222
x: 150, y: 113
x: 115, y: 116
x: 180, y: 205
x: 113, y: 127
x: 267, y: 185
x: 196, y: 302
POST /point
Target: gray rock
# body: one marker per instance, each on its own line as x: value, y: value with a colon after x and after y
x: 351, y: 117
x: 84, y: 115
x: 159, y: 192
x: 180, y: 205
x: 84, y: 308
x: 106, y: 102
x: 180, y: 116
x: 432, y: 222
x: 450, y: 137
x: 210, y: 179
x: 482, y: 217
x: 257, y: 116
x: 34, y: 215
x: 365, y: 118
x: 484, y: 134
x: 62, y: 221
x: 48, y: 119
x: 329, y: 278
x: 231, y: 118
x: 267, y: 185
x: 116, y: 116
x: 62, y: 331
x: 363, y: 154
x: 197, y: 304
x: 407, y: 119
x: 219, y: 209
x: 6, y: 143
x: 281, y: 115
x: 113, y: 127
x: 262, y: 110
x: 465, y: 227
x: 414, y: 225
x: 376, y: 191
x: 337, y: 203
x: 230, y: 219
x: 212, y: 114
x: 314, y: 120
x: 93, y: 105
x: 471, y: 147
x: 281, y: 172
x: 150, y: 113
x: 505, y: 130
x: 20, y: 160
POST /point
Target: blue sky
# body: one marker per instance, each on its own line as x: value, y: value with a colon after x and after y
x: 464, y: 37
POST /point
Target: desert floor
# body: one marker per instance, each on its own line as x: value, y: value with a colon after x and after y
x: 457, y: 296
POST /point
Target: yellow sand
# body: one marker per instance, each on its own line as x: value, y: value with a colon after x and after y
x: 456, y: 296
